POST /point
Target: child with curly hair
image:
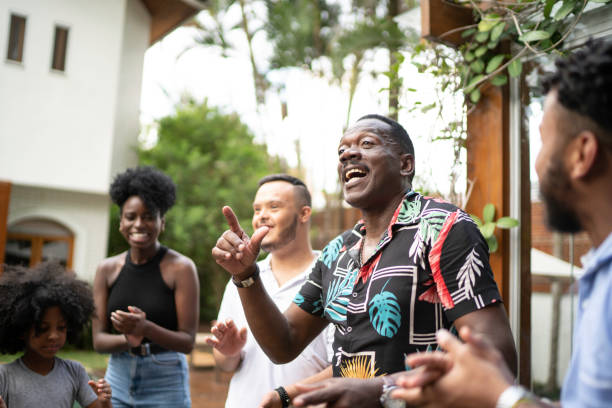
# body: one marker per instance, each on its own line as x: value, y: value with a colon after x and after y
x: 40, y: 310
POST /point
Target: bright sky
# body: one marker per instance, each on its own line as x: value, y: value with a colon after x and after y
x: 317, y: 109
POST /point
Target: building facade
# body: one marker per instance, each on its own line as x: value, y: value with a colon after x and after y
x: 70, y: 84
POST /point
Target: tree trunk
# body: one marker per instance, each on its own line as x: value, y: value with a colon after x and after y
x: 393, y: 8
x: 259, y: 80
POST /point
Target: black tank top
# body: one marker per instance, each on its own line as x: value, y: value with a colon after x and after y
x: 143, y: 286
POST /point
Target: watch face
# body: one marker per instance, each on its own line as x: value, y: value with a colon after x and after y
x: 388, y: 402
x: 395, y: 403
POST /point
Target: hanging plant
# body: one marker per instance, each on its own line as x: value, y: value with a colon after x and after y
x: 538, y: 27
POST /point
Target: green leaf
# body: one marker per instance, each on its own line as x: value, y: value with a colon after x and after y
x: 488, y: 213
x: 469, y: 56
x: 495, y: 62
x: 491, y: 45
x: 475, y: 96
x: 536, y: 35
x: 482, y: 36
x: 507, y: 222
x: 468, y: 32
x: 429, y: 107
x: 497, y: 31
x: 548, y: 7
x: 477, y: 66
x: 488, y: 22
x: 480, y: 51
x: 477, y: 220
x: 487, y: 229
x: 499, y: 80
x: 546, y: 44
x: 515, y: 68
x: 566, y: 8
x: 492, y: 243
x: 473, y: 82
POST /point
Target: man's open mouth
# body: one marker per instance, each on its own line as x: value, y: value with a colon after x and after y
x: 354, y: 174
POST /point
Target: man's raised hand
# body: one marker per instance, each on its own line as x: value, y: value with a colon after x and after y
x: 235, y: 251
x: 228, y: 339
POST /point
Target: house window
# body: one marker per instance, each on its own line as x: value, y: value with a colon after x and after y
x: 38, y: 240
x: 59, y: 48
x: 16, y: 38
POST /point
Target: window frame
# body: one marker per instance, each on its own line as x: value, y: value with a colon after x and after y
x: 38, y: 242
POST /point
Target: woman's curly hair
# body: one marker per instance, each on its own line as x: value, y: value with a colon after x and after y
x: 25, y: 294
x: 156, y: 189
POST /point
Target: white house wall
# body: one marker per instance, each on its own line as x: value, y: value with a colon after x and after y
x: 85, y: 214
x: 127, y: 126
x: 68, y: 130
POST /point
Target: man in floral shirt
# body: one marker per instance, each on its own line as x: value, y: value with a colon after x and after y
x: 429, y: 268
x: 411, y: 266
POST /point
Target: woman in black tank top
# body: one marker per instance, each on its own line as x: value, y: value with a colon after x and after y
x: 147, y: 299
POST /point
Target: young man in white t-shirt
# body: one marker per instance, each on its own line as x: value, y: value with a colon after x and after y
x: 282, y: 203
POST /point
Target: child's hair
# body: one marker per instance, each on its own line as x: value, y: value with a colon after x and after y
x: 25, y: 294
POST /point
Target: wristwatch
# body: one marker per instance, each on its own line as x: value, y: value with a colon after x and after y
x: 385, y: 398
x: 248, y: 281
x: 513, y: 396
x: 284, y: 397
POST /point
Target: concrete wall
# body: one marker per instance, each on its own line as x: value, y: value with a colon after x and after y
x: 85, y: 214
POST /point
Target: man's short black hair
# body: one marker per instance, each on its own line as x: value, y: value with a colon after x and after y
x: 398, y: 133
x: 25, y: 294
x: 156, y: 189
x: 302, y: 191
x: 583, y: 82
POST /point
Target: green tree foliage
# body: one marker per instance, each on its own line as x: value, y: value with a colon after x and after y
x: 300, y: 31
x: 303, y: 30
x: 214, y: 161
x: 344, y: 35
x: 213, y: 32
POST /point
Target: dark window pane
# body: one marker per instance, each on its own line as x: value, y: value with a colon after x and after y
x: 18, y: 252
x: 59, y: 48
x: 55, y: 251
x: 16, y: 38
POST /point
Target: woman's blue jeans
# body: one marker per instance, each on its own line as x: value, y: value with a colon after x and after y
x: 156, y: 380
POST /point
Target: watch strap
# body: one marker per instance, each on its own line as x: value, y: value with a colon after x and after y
x: 284, y: 397
x: 245, y: 283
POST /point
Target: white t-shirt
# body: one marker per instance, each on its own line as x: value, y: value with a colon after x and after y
x: 257, y: 375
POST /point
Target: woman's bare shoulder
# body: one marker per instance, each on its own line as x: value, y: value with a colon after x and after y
x: 178, y: 262
x: 112, y: 263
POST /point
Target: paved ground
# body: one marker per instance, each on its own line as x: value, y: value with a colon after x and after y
x: 208, y: 387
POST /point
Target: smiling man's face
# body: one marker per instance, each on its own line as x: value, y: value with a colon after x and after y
x: 369, y: 165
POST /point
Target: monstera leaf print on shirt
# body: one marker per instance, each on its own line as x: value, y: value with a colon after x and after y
x: 385, y: 313
x: 331, y: 251
x: 338, y: 295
